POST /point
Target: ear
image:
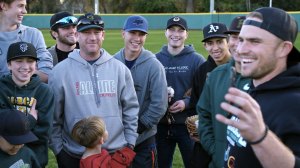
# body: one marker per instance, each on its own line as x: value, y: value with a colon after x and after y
x: 9, y: 65
x: 54, y: 33
x: 103, y: 34
x: 284, y: 48
x: 101, y: 141
x: 3, y: 6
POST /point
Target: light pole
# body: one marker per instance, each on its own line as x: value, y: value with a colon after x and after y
x: 96, y: 6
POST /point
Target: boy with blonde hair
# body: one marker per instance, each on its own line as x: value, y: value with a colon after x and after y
x: 91, y: 133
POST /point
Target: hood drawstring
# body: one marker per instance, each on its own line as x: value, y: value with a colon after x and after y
x: 95, y: 86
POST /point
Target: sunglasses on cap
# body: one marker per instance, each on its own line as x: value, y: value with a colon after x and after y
x: 66, y: 20
x: 91, y: 21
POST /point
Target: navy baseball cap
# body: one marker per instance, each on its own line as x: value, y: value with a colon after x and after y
x: 214, y: 30
x: 15, y: 127
x: 136, y: 22
x: 62, y: 19
x: 236, y: 25
x: 21, y: 49
x: 89, y: 21
x: 279, y: 23
x: 177, y: 21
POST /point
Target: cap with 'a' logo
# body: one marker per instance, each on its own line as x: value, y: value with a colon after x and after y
x: 136, y: 22
x: 214, y: 30
x: 21, y: 49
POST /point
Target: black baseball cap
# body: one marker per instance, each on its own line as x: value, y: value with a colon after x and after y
x: 62, y: 19
x: 214, y: 30
x: 236, y: 25
x: 15, y: 127
x: 177, y: 21
x: 279, y: 23
x: 89, y: 21
x: 21, y: 49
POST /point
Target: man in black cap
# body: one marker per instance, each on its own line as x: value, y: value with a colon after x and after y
x: 102, y: 86
x: 180, y: 62
x: 216, y: 44
x: 14, y: 133
x: 264, y: 129
x: 63, y: 28
x: 23, y: 90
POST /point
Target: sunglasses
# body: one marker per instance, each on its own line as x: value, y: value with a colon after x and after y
x: 66, y: 20
x: 87, y: 21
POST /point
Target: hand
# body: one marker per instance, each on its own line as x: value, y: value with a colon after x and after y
x: 176, y: 107
x: 195, y: 138
x: 33, y: 111
x: 250, y: 124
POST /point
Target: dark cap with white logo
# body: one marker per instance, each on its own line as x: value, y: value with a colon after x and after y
x: 21, y: 49
x: 214, y: 30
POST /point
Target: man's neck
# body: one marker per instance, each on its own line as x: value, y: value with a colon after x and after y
x: 129, y: 56
x: 7, y: 27
x: 175, y: 50
x: 92, y: 151
x: 65, y: 47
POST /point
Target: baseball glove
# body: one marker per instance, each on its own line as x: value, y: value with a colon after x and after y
x: 192, y: 125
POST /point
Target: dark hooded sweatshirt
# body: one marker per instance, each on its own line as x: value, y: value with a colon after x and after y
x: 21, y: 98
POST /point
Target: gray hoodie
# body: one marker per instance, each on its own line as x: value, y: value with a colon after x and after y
x: 151, y: 87
x: 103, y: 89
x: 30, y: 35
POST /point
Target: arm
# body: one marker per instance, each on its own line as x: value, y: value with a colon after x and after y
x: 130, y: 109
x: 45, y: 63
x: 205, y: 125
x: 55, y: 142
x: 45, y: 107
x: 252, y: 127
x: 158, y: 99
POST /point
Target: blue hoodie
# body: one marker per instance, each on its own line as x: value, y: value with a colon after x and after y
x: 180, y: 70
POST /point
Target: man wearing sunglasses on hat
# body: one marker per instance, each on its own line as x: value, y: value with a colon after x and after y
x: 91, y: 82
x: 63, y: 28
x: 12, y: 31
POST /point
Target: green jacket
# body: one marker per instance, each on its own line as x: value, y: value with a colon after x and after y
x: 21, y: 98
x: 24, y: 158
x: 211, y: 132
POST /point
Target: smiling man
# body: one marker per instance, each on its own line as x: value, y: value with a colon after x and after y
x: 180, y: 62
x: 150, y: 85
x: 91, y: 82
x: 11, y: 30
x: 266, y: 120
x: 63, y: 28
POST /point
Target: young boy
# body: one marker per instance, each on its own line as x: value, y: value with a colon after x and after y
x: 23, y: 90
x: 14, y: 133
x: 91, y: 133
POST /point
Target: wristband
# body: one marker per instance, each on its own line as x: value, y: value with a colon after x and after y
x: 262, y: 138
x: 130, y: 146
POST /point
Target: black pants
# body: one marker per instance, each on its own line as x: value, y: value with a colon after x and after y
x: 200, y: 158
x: 64, y: 160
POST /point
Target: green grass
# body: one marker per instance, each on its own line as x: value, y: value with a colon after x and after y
x: 113, y: 41
x: 155, y: 40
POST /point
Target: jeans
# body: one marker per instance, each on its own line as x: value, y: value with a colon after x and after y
x: 146, y: 154
x: 167, y: 137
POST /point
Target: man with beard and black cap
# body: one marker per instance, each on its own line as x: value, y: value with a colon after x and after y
x: 63, y: 28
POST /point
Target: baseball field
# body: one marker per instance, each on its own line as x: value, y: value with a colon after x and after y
x: 155, y: 40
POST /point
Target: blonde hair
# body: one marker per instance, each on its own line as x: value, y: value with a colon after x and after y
x: 88, y: 131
